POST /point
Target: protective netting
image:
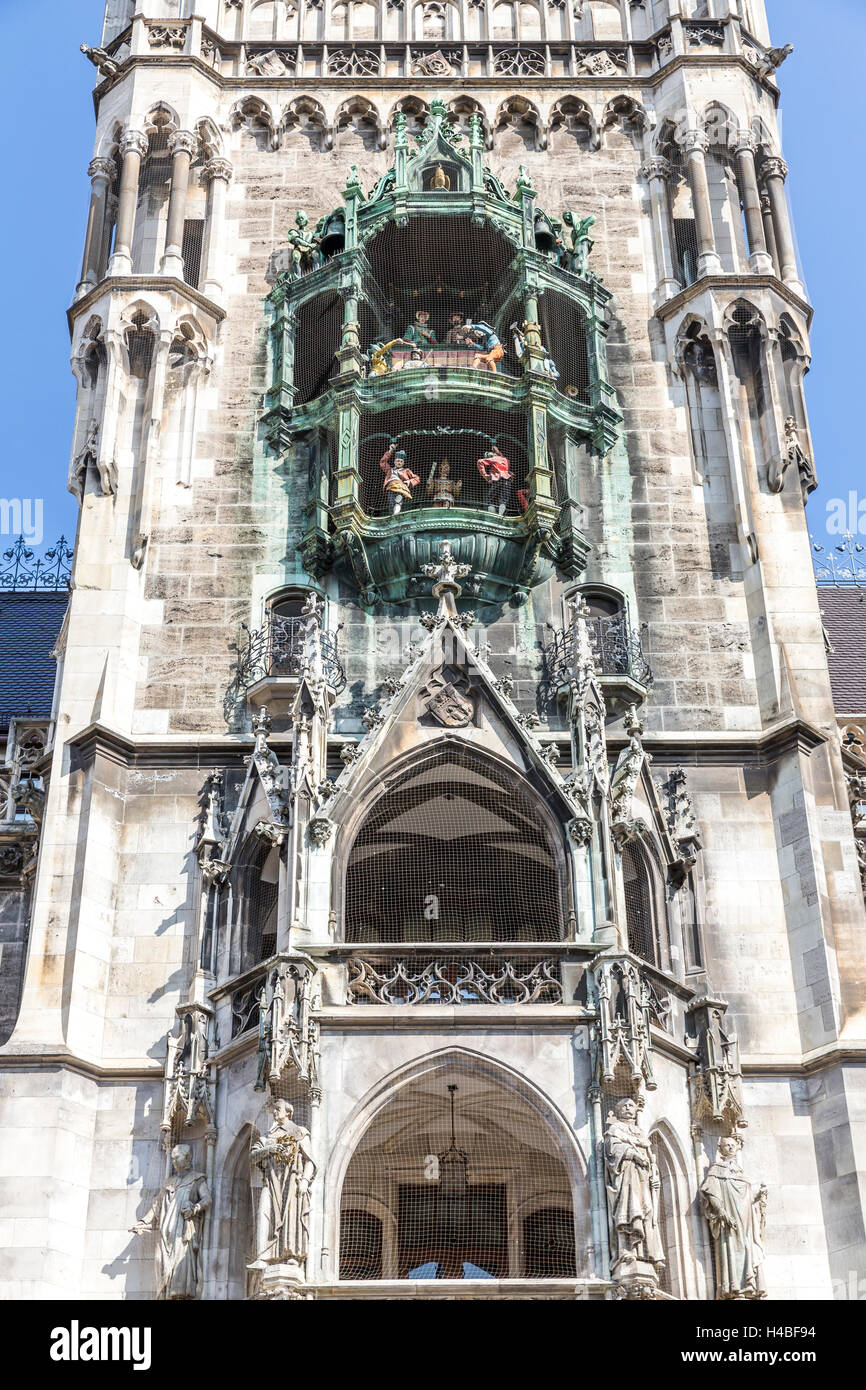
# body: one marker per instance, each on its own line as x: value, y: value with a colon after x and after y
x: 685, y: 236
x: 457, y: 1178
x: 640, y: 918
x: 454, y: 850
x: 191, y: 250
x: 255, y: 890
x: 430, y: 434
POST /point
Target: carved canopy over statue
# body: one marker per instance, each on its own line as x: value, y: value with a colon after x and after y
x: 736, y: 1211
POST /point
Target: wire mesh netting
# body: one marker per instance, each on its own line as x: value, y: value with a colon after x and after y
x: 454, y: 850
x: 191, y: 250
x: 457, y: 1178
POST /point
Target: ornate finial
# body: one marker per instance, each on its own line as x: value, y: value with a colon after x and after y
x: 446, y: 574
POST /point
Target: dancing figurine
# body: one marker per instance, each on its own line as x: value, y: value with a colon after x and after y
x: 489, y: 349
x: 380, y: 358
x: 496, y: 472
x: 399, y: 478
x: 444, y: 489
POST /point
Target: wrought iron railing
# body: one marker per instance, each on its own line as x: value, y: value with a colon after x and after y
x: 23, y: 571
x: 443, y: 978
x: 280, y: 649
x: 618, y: 650
x: 843, y: 566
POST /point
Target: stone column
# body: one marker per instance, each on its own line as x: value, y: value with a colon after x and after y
x: 218, y: 172
x: 657, y: 173
x: 774, y: 171
x: 695, y: 148
x: 769, y: 231
x: 760, y: 260
x: 102, y: 172
x: 133, y: 147
x: 182, y: 144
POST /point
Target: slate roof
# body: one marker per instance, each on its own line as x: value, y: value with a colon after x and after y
x: 844, y: 612
x: 29, y: 625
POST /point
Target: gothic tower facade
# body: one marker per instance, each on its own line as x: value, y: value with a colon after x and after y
x: 446, y: 882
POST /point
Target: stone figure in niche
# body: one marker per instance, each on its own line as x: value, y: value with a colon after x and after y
x: 489, y: 349
x: 176, y: 1217
x: 399, y: 478
x: 305, y: 255
x: 577, y: 258
x: 285, y: 1159
x: 633, y: 1188
x: 419, y: 333
x: 459, y: 331
x: 444, y: 489
x: 380, y: 358
x: 496, y: 472
x: 736, y: 1212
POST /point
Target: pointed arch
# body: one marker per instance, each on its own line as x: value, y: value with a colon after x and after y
x: 520, y: 115
x: 235, y: 1233
x: 571, y: 119
x: 676, y: 1213
x: 305, y: 117
x: 161, y: 116
x: 416, y: 1096
x: 359, y: 117
x: 627, y: 113
x: 252, y: 114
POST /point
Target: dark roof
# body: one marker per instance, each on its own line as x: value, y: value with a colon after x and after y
x: 29, y: 626
x: 844, y: 611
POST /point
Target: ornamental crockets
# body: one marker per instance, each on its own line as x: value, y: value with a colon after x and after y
x: 288, y: 1032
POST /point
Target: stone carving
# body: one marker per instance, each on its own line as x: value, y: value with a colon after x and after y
x: 795, y: 457
x: 166, y: 35
x: 623, y: 1035
x: 105, y: 66
x: 664, y: 47
x: 716, y: 1084
x: 272, y: 64
x: 284, y: 1158
x: 177, y: 1216
x: 438, y: 64
x: 682, y: 824
x: 449, y: 699
x: 625, y: 779
x: 188, y: 1086
x: 602, y: 63
x: 765, y: 64
x: 736, y: 1212
x: 438, y: 980
x: 288, y: 1033
x: 321, y: 830
x: 706, y: 35
x: 519, y: 62
x: 209, y: 52
x: 857, y: 801
x: 633, y: 1187
x: 354, y: 62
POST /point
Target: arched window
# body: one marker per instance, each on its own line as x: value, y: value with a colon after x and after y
x: 453, y: 850
x: 458, y: 1176
x: 640, y: 907
x: 606, y: 19
x: 256, y: 884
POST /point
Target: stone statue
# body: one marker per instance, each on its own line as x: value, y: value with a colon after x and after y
x: 632, y: 1188
x: 736, y: 1211
x: 284, y: 1156
x: 177, y: 1216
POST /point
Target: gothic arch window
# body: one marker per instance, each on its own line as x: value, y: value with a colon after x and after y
x: 746, y: 334
x: 458, y: 1175
x: 677, y: 1278
x: 140, y: 341
x: 721, y: 126
x: 606, y: 19
x: 436, y: 21
x: 255, y: 893
x: 238, y: 1221
x: 454, y: 848
x: 154, y: 187
x: 504, y: 21
x: 262, y: 21
x: 643, y: 911
x: 304, y: 119
x: 571, y: 123
x: 416, y: 112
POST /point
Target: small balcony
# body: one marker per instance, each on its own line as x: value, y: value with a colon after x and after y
x: 624, y: 672
x: 269, y: 668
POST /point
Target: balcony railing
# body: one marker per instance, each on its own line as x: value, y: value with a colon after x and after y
x: 397, y: 977
x: 280, y: 648
x: 618, y: 651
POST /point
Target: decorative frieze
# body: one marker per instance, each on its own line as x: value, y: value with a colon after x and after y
x: 455, y: 979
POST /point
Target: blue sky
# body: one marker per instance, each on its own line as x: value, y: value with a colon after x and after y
x: 45, y: 152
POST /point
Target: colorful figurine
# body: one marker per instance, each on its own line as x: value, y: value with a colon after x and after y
x: 399, y: 478
x: 420, y: 333
x: 459, y: 331
x: 496, y: 472
x: 548, y: 366
x: 416, y: 359
x: 380, y: 361
x: 442, y: 487
x: 489, y: 348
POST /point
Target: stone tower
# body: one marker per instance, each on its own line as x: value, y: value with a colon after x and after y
x: 446, y: 881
